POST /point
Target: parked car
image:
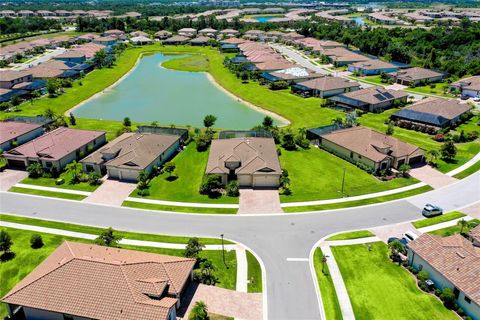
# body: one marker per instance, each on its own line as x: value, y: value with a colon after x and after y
x: 409, y: 236
x: 431, y: 211
x: 402, y: 240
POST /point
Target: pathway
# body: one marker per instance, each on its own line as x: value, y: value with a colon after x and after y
x: 111, y: 192
x: 242, y: 269
x: 8, y: 178
x: 432, y: 177
x: 259, y: 201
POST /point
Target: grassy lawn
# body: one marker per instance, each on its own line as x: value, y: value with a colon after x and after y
x: 465, y: 152
x: 373, y: 79
x: 159, y: 207
x: 190, y: 169
x: 316, y: 174
x: 50, y: 182
x: 52, y: 194
x: 438, y: 89
x: 439, y: 219
x: 469, y: 171
x: 95, y: 230
x: 26, y: 259
x: 327, y: 289
x: 357, y: 203
x: 380, y: 289
x: 445, y: 232
x: 351, y: 235
x: 254, y: 273
x: 194, y: 63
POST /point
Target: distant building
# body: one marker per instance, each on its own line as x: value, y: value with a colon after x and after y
x: 372, y: 67
x: 370, y: 99
x: 325, y: 87
x: 468, y: 87
x: 13, y: 134
x: 415, y: 76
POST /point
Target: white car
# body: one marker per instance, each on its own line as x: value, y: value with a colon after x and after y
x: 409, y: 236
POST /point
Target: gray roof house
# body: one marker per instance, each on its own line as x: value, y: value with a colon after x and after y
x: 370, y: 99
x: 469, y: 87
x: 325, y: 87
x: 16, y: 133
x: 130, y: 153
x: 414, y: 76
x: 252, y: 161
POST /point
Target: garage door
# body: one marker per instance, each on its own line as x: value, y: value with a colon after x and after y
x: 266, y: 181
x: 416, y: 159
x: 244, y: 180
x: 19, y: 164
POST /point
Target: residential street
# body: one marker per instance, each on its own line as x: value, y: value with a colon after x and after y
x: 274, y: 238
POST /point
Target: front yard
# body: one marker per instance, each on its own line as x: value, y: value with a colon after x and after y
x: 380, y: 289
x: 316, y: 174
x: 67, y: 177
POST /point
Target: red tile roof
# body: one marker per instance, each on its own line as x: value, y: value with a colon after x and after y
x: 10, y: 130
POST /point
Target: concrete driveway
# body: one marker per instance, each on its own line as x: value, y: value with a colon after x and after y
x: 111, y: 192
x: 9, y: 178
x: 432, y: 177
x: 394, y: 230
x: 239, y: 305
x: 259, y: 201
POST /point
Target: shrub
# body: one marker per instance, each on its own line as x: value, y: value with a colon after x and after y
x: 448, y: 298
x: 232, y: 189
x: 203, y: 141
x: 35, y: 170
x: 36, y: 241
x: 438, y: 292
x: 423, y: 275
x: 439, y: 137
x: 473, y: 135
x: 193, y: 248
x: 94, y: 179
x: 423, y: 286
x: 278, y: 85
x: 143, y: 192
x: 210, y: 184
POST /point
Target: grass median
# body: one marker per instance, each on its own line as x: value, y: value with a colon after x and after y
x: 52, y: 194
x: 254, y: 273
x: 351, y: 235
x: 436, y: 220
x: 159, y: 207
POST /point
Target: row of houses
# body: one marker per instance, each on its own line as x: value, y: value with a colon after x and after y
x: 56, y: 13
x: 424, y: 16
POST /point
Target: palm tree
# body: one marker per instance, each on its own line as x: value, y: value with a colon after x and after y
x: 73, y: 169
x: 199, y: 311
x: 433, y: 155
x: 302, y: 131
x: 463, y: 224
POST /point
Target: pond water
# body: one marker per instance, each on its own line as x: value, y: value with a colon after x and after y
x: 152, y: 93
x: 266, y: 18
x: 359, y: 20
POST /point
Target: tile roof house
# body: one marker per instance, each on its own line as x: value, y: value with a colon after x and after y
x: 434, y: 112
x: 141, y: 40
x: 187, y: 32
x: 252, y: 161
x: 372, y: 67
x: 130, y: 153
x: 474, y: 236
x: 200, y: 41
x: 86, y: 281
x: 340, y: 56
x: 16, y: 133
x: 9, y: 78
x: 370, y: 99
x: 469, y: 87
x: 414, y: 76
x: 208, y: 32
x: 56, y: 148
x: 372, y: 148
x: 451, y: 262
x: 71, y: 56
x: 163, y: 34
x: 291, y: 75
x: 325, y: 87
x: 176, y: 40
x: 274, y: 65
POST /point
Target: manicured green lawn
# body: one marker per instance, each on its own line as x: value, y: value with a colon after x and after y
x: 469, y: 171
x: 466, y: 151
x: 190, y: 168
x: 95, y: 230
x: 26, y: 259
x: 254, y: 273
x: 438, y: 89
x: 194, y: 63
x: 327, y: 289
x: 50, y: 182
x: 380, y: 289
x: 149, y: 206
x: 316, y: 174
x: 52, y: 194
x: 357, y: 203
x: 351, y: 235
x: 445, y: 232
x: 436, y: 220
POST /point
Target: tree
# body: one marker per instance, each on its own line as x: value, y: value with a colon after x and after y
x: 73, y: 121
x: 232, y: 188
x: 432, y: 156
x: 423, y: 276
x: 267, y: 122
x: 209, y: 120
x: 74, y: 168
x: 169, y: 167
x: 463, y: 224
x: 94, y: 179
x: 404, y: 169
x: 127, y: 122
x: 396, y: 247
x: 337, y: 121
x: 206, y: 274
x: 5, y: 242
x: 36, y: 241
x: 35, y: 170
x: 199, y: 311
x: 142, y: 180
x: 211, y: 183
x: 193, y: 248
x: 448, y: 150
x: 108, y: 238
x: 288, y: 141
x: 100, y: 58
x: 390, y: 128
x: 52, y: 87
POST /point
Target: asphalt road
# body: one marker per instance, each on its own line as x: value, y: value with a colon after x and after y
x: 290, y: 287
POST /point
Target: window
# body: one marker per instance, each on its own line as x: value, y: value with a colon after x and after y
x: 48, y: 164
x: 67, y: 317
x: 351, y: 154
x: 468, y: 300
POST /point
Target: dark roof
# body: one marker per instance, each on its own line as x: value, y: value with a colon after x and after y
x: 269, y: 77
x: 238, y: 60
x: 423, y: 117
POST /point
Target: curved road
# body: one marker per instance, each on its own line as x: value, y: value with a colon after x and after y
x: 290, y: 289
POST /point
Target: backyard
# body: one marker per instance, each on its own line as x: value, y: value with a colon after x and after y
x: 380, y: 289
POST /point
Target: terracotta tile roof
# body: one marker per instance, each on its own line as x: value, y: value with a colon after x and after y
x: 455, y: 258
x: 55, y: 144
x: 88, y: 49
x: 44, y: 72
x: 276, y: 64
x: 133, y: 150
x: 470, y: 83
x: 370, y: 143
x: 448, y: 109
x: 475, y: 233
x: 10, y: 130
x: 254, y: 154
x: 177, y: 39
x: 229, y: 31
x: 104, y: 283
x: 71, y: 54
x: 414, y: 74
x: 329, y: 83
x: 10, y: 75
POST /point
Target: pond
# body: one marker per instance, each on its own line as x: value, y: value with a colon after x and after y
x: 152, y: 93
x: 267, y: 18
x: 359, y: 20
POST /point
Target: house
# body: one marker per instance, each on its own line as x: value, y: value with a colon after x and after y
x: 451, y: 262
x: 291, y: 75
x: 340, y: 56
x: 114, y: 33
x: 371, y: 99
x: 433, y: 112
x: 468, y: 87
x: 56, y: 148
x: 208, y: 32
x: 187, y: 32
x: 229, y: 33
x: 274, y: 65
x: 254, y: 34
x: 87, y: 281
x: 13, y: 134
x: 415, y: 76
x: 7, y: 94
x: 200, y: 41
x: 10, y: 78
x: 374, y: 149
x: 252, y: 161
x: 139, y: 34
x: 325, y: 87
x: 59, y: 69
x: 163, y: 34
x: 71, y: 56
x: 175, y: 40
x: 372, y: 67
x: 106, y: 41
x: 141, y: 40
x: 130, y: 153
x: 87, y: 37
x: 474, y: 236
